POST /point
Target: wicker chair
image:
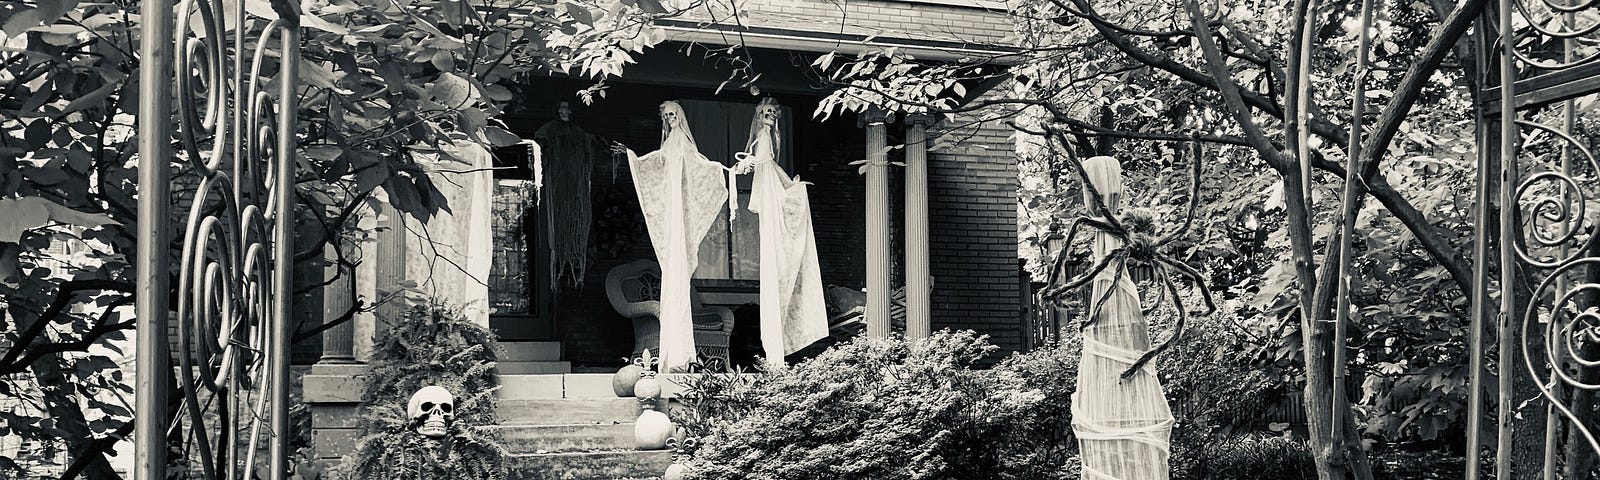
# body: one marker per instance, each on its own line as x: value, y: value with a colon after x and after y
x: 634, y: 290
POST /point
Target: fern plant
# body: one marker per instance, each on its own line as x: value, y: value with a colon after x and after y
x: 431, y: 344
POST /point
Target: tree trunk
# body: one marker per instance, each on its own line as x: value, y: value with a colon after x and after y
x: 1353, y: 457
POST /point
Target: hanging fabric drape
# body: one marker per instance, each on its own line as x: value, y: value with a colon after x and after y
x: 1123, y: 425
x: 681, y: 192
x: 569, y: 155
x: 793, y: 313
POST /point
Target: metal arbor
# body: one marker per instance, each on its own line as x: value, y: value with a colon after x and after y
x: 1546, y: 176
x: 229, y: 69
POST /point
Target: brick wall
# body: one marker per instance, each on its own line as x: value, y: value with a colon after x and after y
x: 974, y: 245
x: 882, y: 18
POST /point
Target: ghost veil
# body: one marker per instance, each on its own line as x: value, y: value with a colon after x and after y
x: 680, y: 192
x: 792, y: 311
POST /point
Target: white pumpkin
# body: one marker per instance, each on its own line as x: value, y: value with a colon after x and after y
x: 651, y: 430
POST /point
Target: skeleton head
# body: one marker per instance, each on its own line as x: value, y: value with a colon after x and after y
x: 431, y: 409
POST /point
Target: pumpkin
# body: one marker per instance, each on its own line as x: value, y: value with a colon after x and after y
x: 648, y: 387
x: 651, y: 430
x: 674, y: 471
x: 624, y: 380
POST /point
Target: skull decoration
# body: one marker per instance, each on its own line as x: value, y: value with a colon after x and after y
x: 431, y: 410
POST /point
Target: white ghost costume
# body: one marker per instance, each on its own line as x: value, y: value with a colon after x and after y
x: 1123, y: 425
x: 793, y: 312
x: 680, y: 192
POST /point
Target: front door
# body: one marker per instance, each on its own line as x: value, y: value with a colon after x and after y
x: 522, y: 303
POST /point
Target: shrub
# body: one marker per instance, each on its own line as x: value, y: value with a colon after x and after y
x: 1043, y: 446
x: 1244, y: 457
x: 430, y: 345
x: 879, y: 409
x: 1216, y: 383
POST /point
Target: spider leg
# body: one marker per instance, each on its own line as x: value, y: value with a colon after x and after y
x: 1161, y: 292
x: 1194, y: 197
x: 1058, y: 290
x: 1194, y: 277
x: 1097, y: 204
x: 1122, y: 269
x: 1061, y: 256
x: 1177, y: 330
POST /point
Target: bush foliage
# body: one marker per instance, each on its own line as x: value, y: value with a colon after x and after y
x: 430, y: 345
x: 888, y: 409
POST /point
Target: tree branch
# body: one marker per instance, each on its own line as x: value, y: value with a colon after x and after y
x: 63, y: 299
x: 100, y: 329
x: 1231, y: 96
x: 1444, y: 38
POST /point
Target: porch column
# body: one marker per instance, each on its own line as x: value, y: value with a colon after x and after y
x: 877, y: 171
x: 918, y: 279
x: 338, y: 343
x: 389, y: 270
x: 364, y: 324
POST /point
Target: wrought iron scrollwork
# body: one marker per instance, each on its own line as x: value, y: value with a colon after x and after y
x: 1549, y: 222
x: 233, y: 77
x: 1553, y: 206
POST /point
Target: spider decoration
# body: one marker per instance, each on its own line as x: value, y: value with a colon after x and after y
x: 1142, y: 247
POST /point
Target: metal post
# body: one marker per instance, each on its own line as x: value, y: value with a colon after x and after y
x: 155, y: 114
x: 283, y: 251
x: 1508, y: 256
x: 1552, y: 417
x: 1480, y: 272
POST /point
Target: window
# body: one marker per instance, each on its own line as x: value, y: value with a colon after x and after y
x: 521, y: 303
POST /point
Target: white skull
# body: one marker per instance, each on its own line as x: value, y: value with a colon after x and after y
x: 431, y: 409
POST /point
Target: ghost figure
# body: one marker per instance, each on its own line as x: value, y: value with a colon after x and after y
x: 793, y: 313
x: 431, y: 410
x: 681, y: 193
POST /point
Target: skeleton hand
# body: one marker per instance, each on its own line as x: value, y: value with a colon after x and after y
x: 747, y: 163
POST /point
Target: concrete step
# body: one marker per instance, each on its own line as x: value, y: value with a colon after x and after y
x: 533, y: 367
x: 567, y: 411
x: 514, y: 385
x: 608, y: 437
x: 529, y: 351
x: 588, y: 465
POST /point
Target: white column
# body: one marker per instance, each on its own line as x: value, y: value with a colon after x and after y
x: 918, y: 278
x: 366, y: 278
x: 338, y: 342
x: 877, y: 170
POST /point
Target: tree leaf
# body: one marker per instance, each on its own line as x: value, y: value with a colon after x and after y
x: 91, y: 99
x: 443, y: 60
x: 581, y: 14
x: 499, y: 137
x: 652, y: 7
x: 451, y: 90
x: 317, y: 23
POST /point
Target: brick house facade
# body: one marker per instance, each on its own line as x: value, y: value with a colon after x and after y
x: 971, y: 187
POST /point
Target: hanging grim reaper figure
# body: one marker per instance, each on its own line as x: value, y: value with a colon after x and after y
x: 681, y: 192
x: 793, y: 314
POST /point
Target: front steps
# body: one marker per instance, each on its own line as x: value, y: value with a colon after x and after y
x: 531, y: 358
x: 554, y: 424
x: 571, y: 427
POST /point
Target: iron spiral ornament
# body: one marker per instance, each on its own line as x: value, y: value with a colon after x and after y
x: 233, y: 85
